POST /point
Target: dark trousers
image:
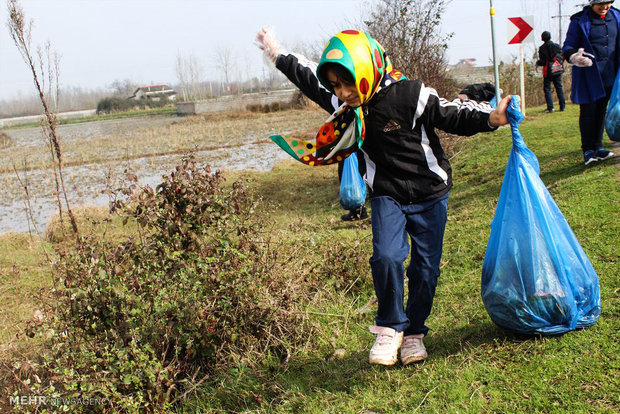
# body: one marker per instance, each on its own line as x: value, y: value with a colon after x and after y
x: 592, y: 123
x: 393, y: 225
x: 557, y: 83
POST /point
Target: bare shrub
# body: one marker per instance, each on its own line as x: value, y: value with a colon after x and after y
x: 510, y: 81
x: 21, y: 33
x: 5, y: 141
x: 272, y: 107
x: 300, y: 101
x: 343, y: 268
x: 410, y: 33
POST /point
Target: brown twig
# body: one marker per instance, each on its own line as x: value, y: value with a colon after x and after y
x: 17, y: 377
x: 424, y: 399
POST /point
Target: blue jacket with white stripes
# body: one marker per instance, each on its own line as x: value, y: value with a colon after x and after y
x: 401, y: 156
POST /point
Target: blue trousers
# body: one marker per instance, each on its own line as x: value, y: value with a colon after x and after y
x: 557, y: 83
x: 393, y: 225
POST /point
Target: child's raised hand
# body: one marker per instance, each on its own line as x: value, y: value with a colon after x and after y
x: 266, y: 41
x: 498, y: 116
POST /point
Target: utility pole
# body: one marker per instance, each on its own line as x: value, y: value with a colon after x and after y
x: 495, y: 68
x: 559, y: 16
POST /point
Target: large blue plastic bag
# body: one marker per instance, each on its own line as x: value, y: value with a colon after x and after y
x: 536, y: 277
x: 352, y: 186
x: 612, y: 121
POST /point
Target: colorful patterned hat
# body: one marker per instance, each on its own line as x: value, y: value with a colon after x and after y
x: 362, y: 56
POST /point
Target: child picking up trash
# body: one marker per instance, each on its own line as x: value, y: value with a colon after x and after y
x: 390, y: 122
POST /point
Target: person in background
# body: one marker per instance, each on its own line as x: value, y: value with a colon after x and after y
x: 592, y: 44
x: 359, y: 213
x: 479, y: 92
x: 550, y: 58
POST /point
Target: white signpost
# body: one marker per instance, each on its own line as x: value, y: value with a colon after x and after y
x: 520, y: 30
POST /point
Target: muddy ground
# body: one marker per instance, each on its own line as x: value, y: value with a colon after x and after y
x: 86, y: 176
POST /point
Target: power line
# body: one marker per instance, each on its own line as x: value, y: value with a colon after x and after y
x: 559, y: 16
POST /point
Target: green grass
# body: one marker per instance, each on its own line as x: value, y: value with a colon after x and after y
x: 473, y: 366
x: 24, y: 276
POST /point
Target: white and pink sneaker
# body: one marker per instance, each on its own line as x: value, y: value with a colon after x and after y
x: 413, y: 349
x: 385, y: 349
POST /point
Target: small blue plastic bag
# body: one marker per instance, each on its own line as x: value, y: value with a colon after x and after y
x: 612, y: 120
x: 352, y: 185
x: 536, y: 277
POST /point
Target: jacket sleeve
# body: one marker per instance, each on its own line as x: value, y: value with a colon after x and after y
x: 302, y: 73
x: 542, y: 59
x: 573, y: 39
x: 456, y: 117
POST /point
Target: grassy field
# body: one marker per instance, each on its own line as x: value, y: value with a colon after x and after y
x: 473, y: 366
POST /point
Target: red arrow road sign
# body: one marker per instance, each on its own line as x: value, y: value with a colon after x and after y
x: 524, y: 30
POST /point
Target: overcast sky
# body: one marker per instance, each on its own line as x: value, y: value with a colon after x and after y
x: 101, y: 41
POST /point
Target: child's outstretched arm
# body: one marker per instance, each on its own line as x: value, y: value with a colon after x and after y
x: 298, y: 69
x: 458, y: 117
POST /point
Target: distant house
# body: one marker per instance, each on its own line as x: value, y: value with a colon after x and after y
x: 154, y: 92
x: 469, y: 62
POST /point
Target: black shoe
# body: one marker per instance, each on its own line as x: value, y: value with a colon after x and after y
x: 561, y: 109
x: 350, y: 216
x: 354, y: 215
x: 364, y: 215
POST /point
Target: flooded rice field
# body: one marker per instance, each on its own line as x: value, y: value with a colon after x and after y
x: 99, y: 153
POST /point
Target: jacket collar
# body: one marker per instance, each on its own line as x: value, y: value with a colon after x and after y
x: 584, y: 20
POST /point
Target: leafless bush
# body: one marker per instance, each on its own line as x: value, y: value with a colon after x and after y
x: 21, y: 34
x: 5, y: 141
x: 190, y: 74
x: 534, y: 95
x: 410, y: 32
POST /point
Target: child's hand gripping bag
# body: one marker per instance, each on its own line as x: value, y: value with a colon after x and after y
x: 612, y: 120
x: 536, y: 277
x: 352, y: 185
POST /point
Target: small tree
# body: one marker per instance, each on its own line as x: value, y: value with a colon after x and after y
x: 190, y: 74
x: 409, y: 31
x: 21, y: 34
x: 225, y: 63
x: 123, y: 88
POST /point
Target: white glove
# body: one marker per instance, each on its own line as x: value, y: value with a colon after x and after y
x: 581, y: 58
x: 266, y: 41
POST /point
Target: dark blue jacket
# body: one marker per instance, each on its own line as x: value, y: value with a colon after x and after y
x: 587, y: 85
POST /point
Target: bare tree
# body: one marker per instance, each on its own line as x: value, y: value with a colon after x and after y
x: 409, y: 30
x: 225, y: 63
x: 123, y: 87
x: 182, y: 76
x: 190, y: 74
x: 21, y: 34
